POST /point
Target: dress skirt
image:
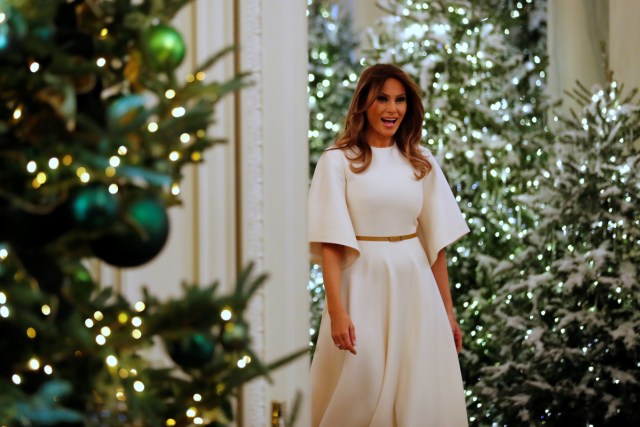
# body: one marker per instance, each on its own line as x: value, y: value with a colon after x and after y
x: 406, y: 372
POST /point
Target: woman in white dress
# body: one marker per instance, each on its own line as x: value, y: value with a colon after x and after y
x: 380, y: 216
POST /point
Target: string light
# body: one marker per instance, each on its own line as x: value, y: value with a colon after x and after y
x: 178, y: 112
x: 226, y: 314
x: 112, y: 361
x: 34, y: 364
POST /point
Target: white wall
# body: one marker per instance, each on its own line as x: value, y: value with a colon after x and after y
x: 364, y: 13
x: 624, y: 40
x: 577, y: 31
x: 247, y: 202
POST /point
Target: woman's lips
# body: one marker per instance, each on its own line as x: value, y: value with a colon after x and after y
x: 389, y: 123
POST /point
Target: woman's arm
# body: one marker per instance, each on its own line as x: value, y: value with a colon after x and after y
x: 439, y: 269
x: 342, y: 329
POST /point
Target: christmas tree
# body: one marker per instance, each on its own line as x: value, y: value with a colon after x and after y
x: 484, y: 101
x: 333, y: 72
x: 569, y: 306
x: 96, y: 128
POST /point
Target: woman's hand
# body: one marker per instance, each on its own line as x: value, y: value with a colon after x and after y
x: 457, y: 333
x: 342, y: 331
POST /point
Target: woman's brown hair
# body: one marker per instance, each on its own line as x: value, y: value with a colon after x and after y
x: 407, y: 138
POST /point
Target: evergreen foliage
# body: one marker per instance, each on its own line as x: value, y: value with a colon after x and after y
x: 96, y: 127
x: 333, y: 70
x: 569, y: 306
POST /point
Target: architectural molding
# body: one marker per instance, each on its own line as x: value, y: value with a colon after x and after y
x: 251, y: 190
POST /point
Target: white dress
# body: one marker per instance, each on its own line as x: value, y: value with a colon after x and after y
x: 406, y: 372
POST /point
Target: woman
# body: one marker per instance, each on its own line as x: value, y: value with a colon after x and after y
x: 380, y: 215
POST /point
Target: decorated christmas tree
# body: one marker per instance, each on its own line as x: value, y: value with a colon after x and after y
x: 96, y: 127
x: 484, y: 100
x: 569, y: 307
x: 333, y: 72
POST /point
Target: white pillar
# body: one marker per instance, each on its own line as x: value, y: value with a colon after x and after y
x: 274, y: 164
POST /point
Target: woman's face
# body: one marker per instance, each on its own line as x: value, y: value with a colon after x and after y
x: 387, y: 111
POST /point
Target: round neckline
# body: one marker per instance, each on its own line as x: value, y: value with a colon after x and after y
x: 382, y: 148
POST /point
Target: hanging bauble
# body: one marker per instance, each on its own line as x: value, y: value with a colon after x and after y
x: 124, y: 110
x: 5, y: 37
x: 137, y: 239
x: 13, y: 28
x: 83, y: 83
x: 166, y: 47
x: 192, y: 351
x: 32, y: 229
x: 235, y: 335
x: 94, y: 207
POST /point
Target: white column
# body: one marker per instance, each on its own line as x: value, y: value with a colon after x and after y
x: 274, y: 175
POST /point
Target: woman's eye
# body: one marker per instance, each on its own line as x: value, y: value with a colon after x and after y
x: 382, y: 98
x: 401, y: 99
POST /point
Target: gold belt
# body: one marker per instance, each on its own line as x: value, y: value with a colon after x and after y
x: 387, y: 239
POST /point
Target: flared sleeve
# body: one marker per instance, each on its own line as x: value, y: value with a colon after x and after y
x: 440, y: 222
x: 329, y: 219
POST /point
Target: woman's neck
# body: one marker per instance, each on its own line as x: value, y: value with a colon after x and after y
x: 378, y: 141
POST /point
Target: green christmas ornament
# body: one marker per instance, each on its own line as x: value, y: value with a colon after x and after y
x: 235, y: 336
x: 26, y: 229
x: 137, y: 239
x: 94, y: 207
x: 192, y: 351
x: 166, y: 47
